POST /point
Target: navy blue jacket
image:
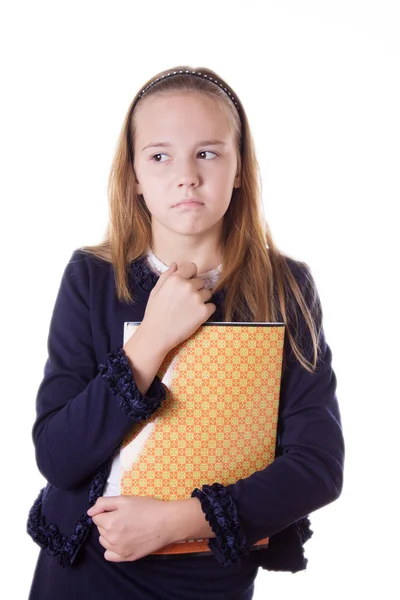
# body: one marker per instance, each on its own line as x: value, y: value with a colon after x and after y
x: 88, y: 400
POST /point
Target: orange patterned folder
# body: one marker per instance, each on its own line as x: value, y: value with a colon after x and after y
x: 218, y: 422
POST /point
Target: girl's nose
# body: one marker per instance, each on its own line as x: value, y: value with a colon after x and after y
x: 188, y: 175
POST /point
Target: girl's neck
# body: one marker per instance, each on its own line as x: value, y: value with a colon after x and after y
x: 205, y: 255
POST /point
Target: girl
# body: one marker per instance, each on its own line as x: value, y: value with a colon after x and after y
x: 186, y: 243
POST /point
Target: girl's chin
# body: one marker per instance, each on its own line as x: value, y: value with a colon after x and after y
x: 183, y: 224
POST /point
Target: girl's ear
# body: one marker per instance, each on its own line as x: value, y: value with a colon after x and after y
x: 138, y: 188
x: 237, y: 183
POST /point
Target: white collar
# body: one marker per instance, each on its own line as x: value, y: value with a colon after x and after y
x: 210, y: 277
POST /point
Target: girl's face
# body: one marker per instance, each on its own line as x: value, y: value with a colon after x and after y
x: 185, y: 149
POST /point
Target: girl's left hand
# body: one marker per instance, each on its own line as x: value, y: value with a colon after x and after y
x: 131, y: 527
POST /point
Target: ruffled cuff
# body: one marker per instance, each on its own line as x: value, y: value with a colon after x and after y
x: 221, y: 513
x: 119, y: 379
x: 303, y: 526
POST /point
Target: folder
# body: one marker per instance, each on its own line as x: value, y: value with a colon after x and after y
x: 219, y: 419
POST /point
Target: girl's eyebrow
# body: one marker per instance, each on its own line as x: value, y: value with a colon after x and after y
x: 201, y: 143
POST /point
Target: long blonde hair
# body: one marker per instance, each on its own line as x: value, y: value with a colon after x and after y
x: 256, y: 276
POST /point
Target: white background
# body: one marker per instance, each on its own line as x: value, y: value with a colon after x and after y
x: 320, y: 84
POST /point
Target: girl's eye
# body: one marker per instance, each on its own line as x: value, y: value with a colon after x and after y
x: 207, y: 152
x: 159, y: 154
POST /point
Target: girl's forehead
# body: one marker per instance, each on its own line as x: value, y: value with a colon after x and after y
x: 191, y: 109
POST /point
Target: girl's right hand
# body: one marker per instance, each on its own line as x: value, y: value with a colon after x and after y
x: 176, y: 308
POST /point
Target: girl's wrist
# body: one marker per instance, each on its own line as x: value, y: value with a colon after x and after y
x: 151, y: 343
x: 186, y: 520
x: 144, y: 359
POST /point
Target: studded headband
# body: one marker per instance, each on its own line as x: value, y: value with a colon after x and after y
x: 195, y: 74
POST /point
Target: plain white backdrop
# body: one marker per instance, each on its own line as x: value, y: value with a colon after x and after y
x: 321, y: 87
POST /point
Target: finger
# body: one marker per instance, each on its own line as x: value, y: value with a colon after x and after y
x: 113, y: 556
x: 187, y: 270
x: 197, y: 283
x: 205, y: 294
x: 104, y: 503
x: 102, y: 531
x: 211, y: 308
x: 104, y: 542
x: 99, y: 520
x: 95, y: 510
x: 103, y: 520
x: 164, y: 276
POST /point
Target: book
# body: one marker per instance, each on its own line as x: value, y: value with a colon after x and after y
x: 219, y: 419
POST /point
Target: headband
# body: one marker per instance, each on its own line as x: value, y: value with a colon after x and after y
x: 195, y: 74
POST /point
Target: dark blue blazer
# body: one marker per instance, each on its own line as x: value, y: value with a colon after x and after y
x: 84, y: 413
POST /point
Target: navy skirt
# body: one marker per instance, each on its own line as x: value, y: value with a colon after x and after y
x: 93, y: 577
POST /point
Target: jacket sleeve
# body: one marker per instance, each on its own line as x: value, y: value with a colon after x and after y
x: 307, y: 472
x: 83, y: 410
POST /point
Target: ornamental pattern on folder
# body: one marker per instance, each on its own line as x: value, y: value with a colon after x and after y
x: 218, y: 422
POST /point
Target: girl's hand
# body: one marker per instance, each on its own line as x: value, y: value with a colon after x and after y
x: 176, y: 308
x: 131, y: 527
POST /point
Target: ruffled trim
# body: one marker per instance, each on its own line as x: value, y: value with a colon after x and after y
x: 119, y: 379
x: 285, y: 552
x: 49, y: 537
x: 221, y: 513
x: 145, y: 278
x: 303, y: 527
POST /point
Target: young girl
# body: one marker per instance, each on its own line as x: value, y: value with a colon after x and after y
x: 186, y: 243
